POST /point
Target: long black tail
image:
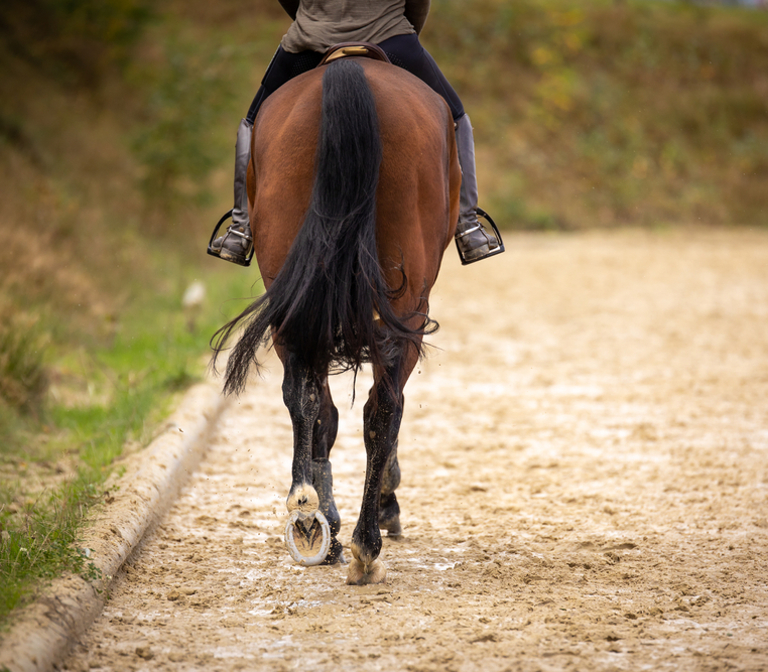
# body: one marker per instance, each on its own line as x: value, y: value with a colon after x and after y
x: 323, y: 302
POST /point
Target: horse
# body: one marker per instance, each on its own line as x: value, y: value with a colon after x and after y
x: 353, y: 189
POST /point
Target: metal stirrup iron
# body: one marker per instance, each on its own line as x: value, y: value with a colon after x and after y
x: 480, y: 213
x: 468, y: 231
x: 217, y: 253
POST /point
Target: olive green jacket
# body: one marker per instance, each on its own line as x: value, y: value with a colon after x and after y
x: 319, y: 24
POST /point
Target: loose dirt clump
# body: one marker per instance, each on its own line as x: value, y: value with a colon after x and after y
x: 585, y: 486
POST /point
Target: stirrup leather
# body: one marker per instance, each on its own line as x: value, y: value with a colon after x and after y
x: 480, y: 213
x: 247, y: 260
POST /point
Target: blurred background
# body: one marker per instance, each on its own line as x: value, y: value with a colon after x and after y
x: 117, y: 128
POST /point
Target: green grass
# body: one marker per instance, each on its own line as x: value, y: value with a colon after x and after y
x: 106, y: 398
x: 94, y: 342
x: 23, y: 379
x: 41, y: 542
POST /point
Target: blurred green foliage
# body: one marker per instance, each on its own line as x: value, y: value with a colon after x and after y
x: 77, y: 40
x: 613, y: 113
x: 187, y: 90
x: 110, y: 115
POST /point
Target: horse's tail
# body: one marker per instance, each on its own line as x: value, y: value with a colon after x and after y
x: 330, y: 304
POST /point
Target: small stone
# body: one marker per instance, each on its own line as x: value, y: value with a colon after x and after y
x: 144, y: 652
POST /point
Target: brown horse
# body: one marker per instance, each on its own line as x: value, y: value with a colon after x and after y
x: 353, y: 192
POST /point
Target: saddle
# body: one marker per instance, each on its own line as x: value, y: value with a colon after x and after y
x: 344, y: 49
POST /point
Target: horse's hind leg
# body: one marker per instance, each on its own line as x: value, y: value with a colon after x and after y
x: 382, y: 416
x: 301, y: 395
x: 308, y: 534
x: 325, y: 430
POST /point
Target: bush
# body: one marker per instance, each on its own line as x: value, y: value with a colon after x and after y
x: 23, y: 377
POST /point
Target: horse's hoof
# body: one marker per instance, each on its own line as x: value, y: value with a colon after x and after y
x: 360, y: 575
x: 392, y: 526
x: 308, y: 537
x: 389, y: 516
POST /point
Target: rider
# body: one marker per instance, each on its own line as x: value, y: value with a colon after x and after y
x: 394, y: 25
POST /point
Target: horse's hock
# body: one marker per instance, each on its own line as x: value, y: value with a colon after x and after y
x: 584, y: 485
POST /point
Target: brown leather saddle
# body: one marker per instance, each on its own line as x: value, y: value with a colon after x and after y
x: 344, y: 49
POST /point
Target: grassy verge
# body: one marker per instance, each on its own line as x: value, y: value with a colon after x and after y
x: 104, y: 222
x: 54, y: 465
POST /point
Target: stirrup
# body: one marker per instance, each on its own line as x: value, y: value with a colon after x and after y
x: 246, y: 261
x: 481, y: 213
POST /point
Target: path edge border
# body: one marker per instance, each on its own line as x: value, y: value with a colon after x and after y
x: 151, y: 479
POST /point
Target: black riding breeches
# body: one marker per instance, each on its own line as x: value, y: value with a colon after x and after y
x: 404, y: 51
x: 284, y: 66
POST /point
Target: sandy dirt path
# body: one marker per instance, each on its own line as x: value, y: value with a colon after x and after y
x: 585, y: 486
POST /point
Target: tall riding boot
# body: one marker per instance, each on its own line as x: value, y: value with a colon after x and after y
x: 473, y: 241
x: 235, y: 244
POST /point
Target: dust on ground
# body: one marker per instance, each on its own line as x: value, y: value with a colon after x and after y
x: 585, y: 486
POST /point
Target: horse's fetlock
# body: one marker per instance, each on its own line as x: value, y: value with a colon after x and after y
x: 304, y: 498
x: 366, y: 553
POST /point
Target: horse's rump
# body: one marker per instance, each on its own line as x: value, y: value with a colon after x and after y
x: 353, y: 192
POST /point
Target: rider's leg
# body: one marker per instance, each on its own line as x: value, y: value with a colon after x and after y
x: 474, y: 241
x: 235, y: 244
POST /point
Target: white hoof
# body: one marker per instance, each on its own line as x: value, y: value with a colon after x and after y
x: 362, y: 575
x: 308, y: 537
